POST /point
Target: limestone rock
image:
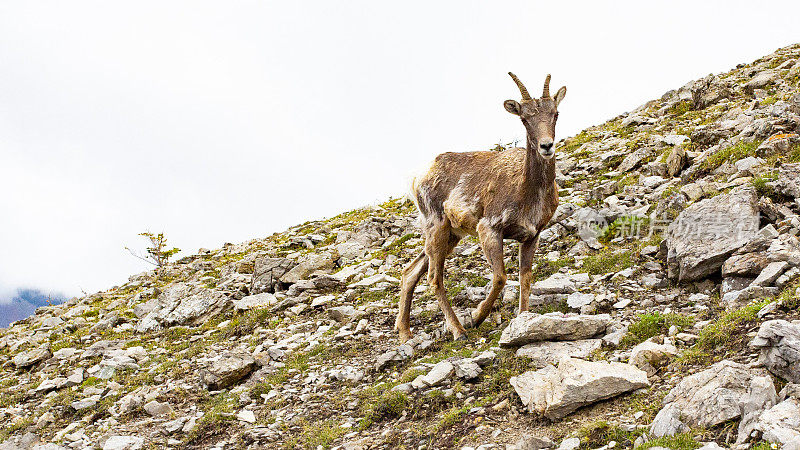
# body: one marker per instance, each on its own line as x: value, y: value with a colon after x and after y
x: 533, y: 443
x: 530, y: 327
x: 788, y: 182
x: 770, y: 273
x: 649, y: 355
x: 547, y: 352
x: 744, y: 265
x: 311, y: 263
x: 781, y: 424
x: 31, y: 357
x: 556, y: 392
x: 676, y: 161
x: 706, y: 233
x: 227, y: 370
x: 123, y: 443
x: 157, y: 409
x: 779, y: 344
x: 705, y: 399
x: 344, y: 314
x: 183, y: 303
x: 438, y: 374
x: 267, y: 273
x: 257, y: 301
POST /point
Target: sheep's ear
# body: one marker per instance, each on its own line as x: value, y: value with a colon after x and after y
x: 512, y: 106
x: 560, y: 95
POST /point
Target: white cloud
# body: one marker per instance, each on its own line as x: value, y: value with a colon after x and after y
x: 223, y: 122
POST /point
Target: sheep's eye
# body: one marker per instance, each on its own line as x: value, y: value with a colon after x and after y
x: 556, y: 115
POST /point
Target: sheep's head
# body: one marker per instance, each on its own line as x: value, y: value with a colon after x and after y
x: 538, y: 115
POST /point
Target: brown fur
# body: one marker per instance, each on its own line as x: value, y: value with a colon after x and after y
x: 495, y: 196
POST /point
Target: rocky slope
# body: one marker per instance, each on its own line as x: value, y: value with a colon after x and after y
x: 664, y: 313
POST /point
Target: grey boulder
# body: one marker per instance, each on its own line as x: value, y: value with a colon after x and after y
x: 778, y: 342
x: 706, y: 233
x: 549, y: 352
x: 705, y: 399
x: 530, y: 327
x: 31, y: 357
x: 227, y: 370
x: 183, y: 303
x: 556, y: 392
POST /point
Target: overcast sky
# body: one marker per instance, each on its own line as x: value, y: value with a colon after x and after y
x: 224, y: 121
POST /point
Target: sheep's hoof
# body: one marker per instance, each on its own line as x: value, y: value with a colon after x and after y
x: 459, y: 337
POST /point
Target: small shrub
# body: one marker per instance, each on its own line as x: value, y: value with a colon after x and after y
x: 625, y: 226
x: 158, y: 253
x: 760, y: 183
x: 452, y: 417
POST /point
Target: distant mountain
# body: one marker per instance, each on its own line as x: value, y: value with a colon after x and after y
x: 24, y: 303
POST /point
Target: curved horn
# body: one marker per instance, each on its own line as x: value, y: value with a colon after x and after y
x: 546, y: 90
x: 525, y: 95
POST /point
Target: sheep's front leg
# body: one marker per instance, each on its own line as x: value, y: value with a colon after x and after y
x: 527, y: 249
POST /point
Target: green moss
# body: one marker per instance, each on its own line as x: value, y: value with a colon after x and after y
x: 680, y: 108
x: 608, y: 260
x: 731, y: 154
x: 396, y: 248
x: 794, y: 154
x: 654, y: 324
x: 243, y: 324
x: 13, y: 428
x: 543, y: 267
x: 219, y: 415
x: 316, y: 434
x: 717, y: 334
x: 625, y: 180
x: 599, y: 433
x: 683, y: 441
x: 574, y: 143
x: 552, y: 307
x: 769, y: 100
x: 379, y: 405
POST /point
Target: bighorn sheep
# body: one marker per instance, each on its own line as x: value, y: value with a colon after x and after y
x: 494, y: 195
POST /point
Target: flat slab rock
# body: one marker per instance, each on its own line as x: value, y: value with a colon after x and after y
x: 227, y: 370
x: 183, y: 303
x: 706, y: 233
x: 547, y: 352
x: 531, y: 327
x: 556, y: 392
x: 262, y: 300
